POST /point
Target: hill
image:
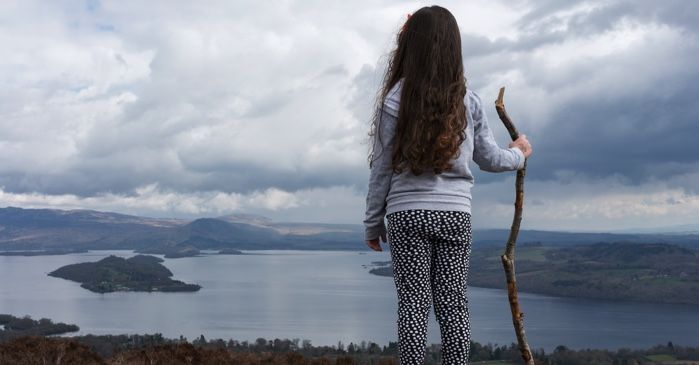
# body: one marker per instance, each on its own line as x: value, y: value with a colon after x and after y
x: 653, y: 272
x: 55, y: 230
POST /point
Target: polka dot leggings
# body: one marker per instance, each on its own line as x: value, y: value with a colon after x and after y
x: 430, y: 252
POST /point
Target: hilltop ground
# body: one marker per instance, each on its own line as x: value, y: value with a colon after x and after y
x: 85, y: 350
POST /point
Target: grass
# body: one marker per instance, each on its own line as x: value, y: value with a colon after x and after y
x: 532, y: 253
x: 661, y: 358
x: 524, y: 253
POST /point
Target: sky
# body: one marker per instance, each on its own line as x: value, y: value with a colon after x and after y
x: 200, y: 109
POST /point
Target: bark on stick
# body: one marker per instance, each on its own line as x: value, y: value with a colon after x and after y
x: 508, y: 257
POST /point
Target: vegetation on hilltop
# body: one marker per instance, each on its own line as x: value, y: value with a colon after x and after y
x: 11, y: 327
x: 156, y: 349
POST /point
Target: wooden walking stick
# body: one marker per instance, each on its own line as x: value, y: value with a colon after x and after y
x: 508, y: 258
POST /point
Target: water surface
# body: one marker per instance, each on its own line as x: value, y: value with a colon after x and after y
x: 323, y: 296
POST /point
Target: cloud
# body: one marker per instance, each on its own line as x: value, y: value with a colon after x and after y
x: 306, y: 205
x: 601, y: 90
x: 189, y: 110
x: 578, y: 203
x: 274, y: 199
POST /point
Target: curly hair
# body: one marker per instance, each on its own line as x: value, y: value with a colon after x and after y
x: 431, y: 122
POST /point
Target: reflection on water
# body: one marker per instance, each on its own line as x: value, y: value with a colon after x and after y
x: 324, y: 296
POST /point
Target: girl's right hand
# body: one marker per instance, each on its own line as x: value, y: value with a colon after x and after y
x: 523, y: 144
x: 375, y: 244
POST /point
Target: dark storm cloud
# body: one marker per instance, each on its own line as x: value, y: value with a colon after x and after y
x: 642, y: 133
x: 603, y: 14
x: 601, y: 136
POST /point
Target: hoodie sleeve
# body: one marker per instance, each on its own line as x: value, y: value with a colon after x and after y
x: 379, y: 177
x: 486, y: 152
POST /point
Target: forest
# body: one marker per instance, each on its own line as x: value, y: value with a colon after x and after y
x: 27, y: 341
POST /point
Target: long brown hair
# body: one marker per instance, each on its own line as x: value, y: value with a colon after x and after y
x: 431, y: 121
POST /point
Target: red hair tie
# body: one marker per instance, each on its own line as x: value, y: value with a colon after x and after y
x: 406, y: 21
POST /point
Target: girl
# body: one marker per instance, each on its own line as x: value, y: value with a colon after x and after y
x: 427, y: 127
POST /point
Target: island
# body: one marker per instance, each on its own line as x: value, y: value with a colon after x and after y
x: 113, y: 273
x: 648, y: 272
x: 230, y: 251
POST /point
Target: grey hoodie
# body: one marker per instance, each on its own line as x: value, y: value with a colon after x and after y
x: 451, y: 190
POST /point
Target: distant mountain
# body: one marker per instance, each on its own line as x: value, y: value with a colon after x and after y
x: 54, y: 229
x: 499, y: 236
x: 42, y: 229
x: 215, y: 233
x: 252, y: 219
x: 44, y: 218
x: 673, y: 229
x: 289, y: 227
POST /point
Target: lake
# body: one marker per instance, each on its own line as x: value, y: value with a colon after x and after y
x: 322, y: 296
